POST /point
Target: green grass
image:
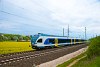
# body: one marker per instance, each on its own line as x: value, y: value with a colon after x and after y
x: 71, y: 60
x: 12, y: 47
x: 85, y: 62
x: 94, y: 47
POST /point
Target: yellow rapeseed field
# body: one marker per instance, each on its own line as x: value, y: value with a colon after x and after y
x: 12, y: 47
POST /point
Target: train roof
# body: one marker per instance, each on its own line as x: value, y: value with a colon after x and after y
x: 52, y: 36
x: 41, y: 34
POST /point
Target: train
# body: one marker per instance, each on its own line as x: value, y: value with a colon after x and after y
x: 41, y: 40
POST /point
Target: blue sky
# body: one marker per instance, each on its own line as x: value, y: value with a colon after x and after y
x: 50, y: 17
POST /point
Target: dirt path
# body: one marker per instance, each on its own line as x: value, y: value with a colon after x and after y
x: 70, y: 65
x: 63, y: 59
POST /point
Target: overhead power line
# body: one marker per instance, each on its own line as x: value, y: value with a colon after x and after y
x: 27, y: 17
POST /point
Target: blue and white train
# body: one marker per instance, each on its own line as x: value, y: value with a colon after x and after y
x: 41, y: 40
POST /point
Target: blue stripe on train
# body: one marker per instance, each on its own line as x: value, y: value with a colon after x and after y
x: 47, y: 41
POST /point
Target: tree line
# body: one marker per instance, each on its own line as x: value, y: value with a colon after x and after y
x: 13, y: 37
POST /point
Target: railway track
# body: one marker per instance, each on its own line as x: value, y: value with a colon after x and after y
x: 30, y: 58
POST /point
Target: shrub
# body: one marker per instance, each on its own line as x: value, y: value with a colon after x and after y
x: 15, y: 38
x: 1, y: 38
x: 20, y: 38
x: 94, y: 47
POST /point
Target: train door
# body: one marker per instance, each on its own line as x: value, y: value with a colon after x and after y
x: 71, y: 41
x: 74, y: 41
x: 56, y: 42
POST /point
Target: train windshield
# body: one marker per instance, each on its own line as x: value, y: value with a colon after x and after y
x: 34, y: 38
x: 39, y: 41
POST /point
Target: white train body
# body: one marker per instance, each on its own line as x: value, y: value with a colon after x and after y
x: 44, y: 40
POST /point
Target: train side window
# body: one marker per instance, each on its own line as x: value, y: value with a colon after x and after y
x: 51, y: 41
x: 62, y: 40
x: 39, y: 41
x: 68, y: 40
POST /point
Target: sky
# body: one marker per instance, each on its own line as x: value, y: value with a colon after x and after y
x: 30, y: 17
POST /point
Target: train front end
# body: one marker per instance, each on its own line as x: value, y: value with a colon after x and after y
x: 33, y: 40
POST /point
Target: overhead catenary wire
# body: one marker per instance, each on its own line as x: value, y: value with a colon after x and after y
x: 30, y: 26
x: 22, y: 17
x: 31, y: 19
x: 27, y: 17
x: 39, y: 16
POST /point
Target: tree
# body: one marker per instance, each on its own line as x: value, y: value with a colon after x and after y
x: 5, y: 38
x: 9, y: 38
x: 20, y: 38
x: 27, y: 38
x: 1, y: 37
x: 15, y: 38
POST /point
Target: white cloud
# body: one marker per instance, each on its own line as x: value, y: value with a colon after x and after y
x: 74, y: 9
x: 76, y: 13
x: 59, y: 13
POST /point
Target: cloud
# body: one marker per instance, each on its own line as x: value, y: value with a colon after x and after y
x: 74, y: 9
x: 52, y: 15
x: 76, y: 13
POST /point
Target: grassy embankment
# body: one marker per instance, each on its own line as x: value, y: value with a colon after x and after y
x: 71, y: 60
x: 12, y: 47
x: 92, y: 58
x: 85, y: 62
